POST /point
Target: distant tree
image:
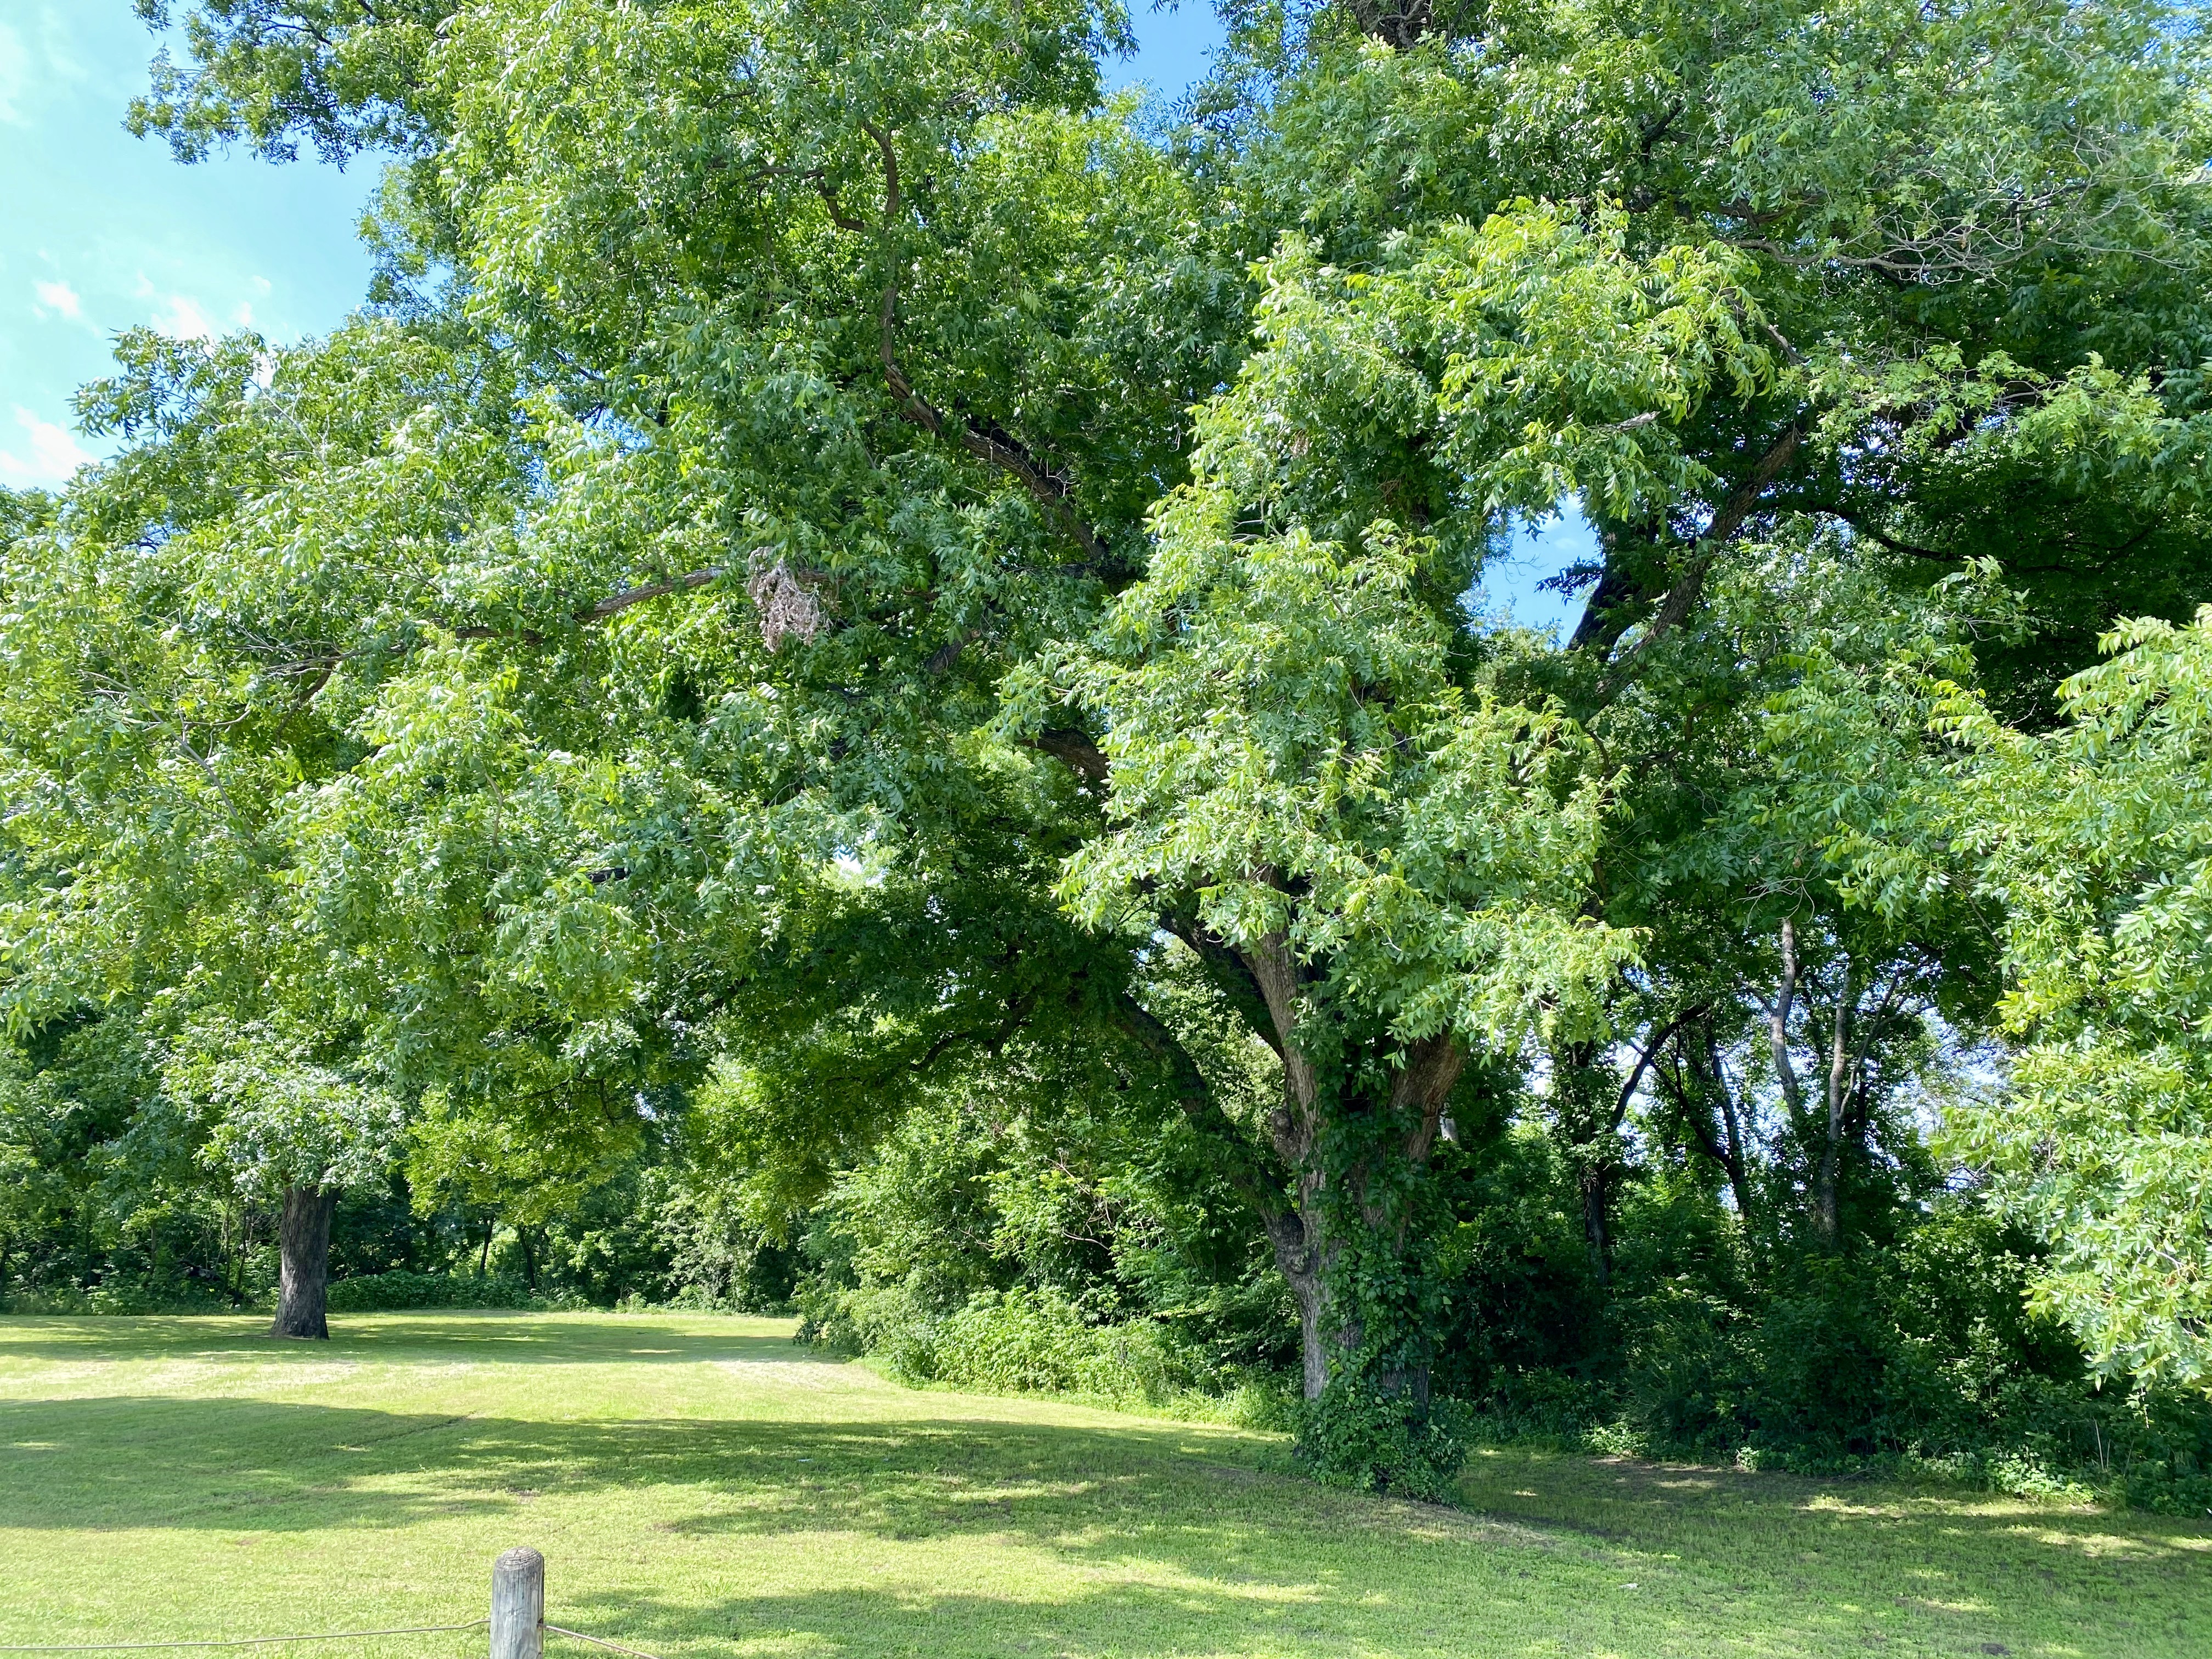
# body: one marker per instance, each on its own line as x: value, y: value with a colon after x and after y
x: 281, y: 1129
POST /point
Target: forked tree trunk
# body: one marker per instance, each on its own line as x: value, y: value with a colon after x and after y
x: 304, y: 1237
x: 1330, y: 1328
x: 1305, y: 1225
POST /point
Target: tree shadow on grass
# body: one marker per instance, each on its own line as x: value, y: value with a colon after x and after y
x: 1161, y: 1537
x: 123, y: 1461
x: 160, y: 1460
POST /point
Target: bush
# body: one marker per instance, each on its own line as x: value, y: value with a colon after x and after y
x: 1037, y: 1342
x: 401, y: 1291
x: 1017, y: 1342
x: 125, y: 1297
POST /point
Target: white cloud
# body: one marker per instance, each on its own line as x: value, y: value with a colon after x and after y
x: 60, y: 298
x: 181, y: 318
x: 243, y: 315
x: 55, y: 455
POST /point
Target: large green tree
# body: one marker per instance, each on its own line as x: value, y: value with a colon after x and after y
x: 850, y: 543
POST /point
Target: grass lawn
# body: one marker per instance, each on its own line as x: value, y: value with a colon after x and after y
x: 700, y: 1486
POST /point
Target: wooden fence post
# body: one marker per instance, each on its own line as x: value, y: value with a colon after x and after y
x: 518, y: 1606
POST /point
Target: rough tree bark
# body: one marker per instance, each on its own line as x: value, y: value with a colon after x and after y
x: 304, y: 1237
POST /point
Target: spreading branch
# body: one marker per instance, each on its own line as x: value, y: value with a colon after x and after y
x: 986, y: 439
x: 1681, y: 598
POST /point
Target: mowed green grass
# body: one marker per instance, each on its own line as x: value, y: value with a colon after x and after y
x: 701, y: 1486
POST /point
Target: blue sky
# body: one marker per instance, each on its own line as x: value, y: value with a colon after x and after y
x: 100, y: 231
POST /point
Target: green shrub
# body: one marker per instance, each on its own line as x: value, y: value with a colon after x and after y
x: 124, y: 1297
x: 1017, y: 1342
x: 401, y: 1291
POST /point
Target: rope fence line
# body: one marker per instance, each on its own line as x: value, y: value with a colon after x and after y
x: 600, y: 1641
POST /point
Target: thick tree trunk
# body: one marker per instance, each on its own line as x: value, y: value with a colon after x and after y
x: 1330, y: 1325
x: 1293, y: 1226
x: 304, y: 1237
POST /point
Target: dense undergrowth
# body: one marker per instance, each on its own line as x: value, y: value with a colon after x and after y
x: 1913, y: 1353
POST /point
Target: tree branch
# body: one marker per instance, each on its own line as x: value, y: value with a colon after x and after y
x: 1689, y: 587
x: 1074, y: 748
x: 1644, y: 1060
x: 1232, y: 975
x: 1240, y: 1161
x: 987, y: 442
x: 616, y: 603
x: 613, y: 604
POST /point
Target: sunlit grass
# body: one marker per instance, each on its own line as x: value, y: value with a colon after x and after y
x: 699, y: 1487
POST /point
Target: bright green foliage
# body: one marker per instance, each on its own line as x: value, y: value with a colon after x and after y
x: 2101, y: 842
x: 276, y: 1121
x: 340, y: 73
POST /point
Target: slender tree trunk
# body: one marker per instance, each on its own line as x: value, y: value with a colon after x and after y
x: 1739, y: 1174
x: 304, y: 1237
x: 1597, y: 1200
x: 1829, y: 1219
x: 1588, y: 1103
x: 234, y: 1245
x: 1812, y: 1133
